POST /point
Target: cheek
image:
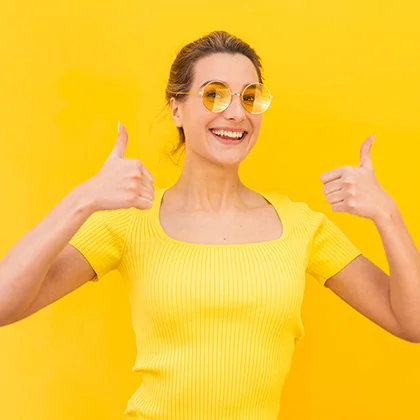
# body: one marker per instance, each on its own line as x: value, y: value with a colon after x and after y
x: 256, y: 121
x: 197, y: 121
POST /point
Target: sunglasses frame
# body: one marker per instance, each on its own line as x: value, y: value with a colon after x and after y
x: 231, y: 95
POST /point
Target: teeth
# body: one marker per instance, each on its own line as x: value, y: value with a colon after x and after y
x: 231, y: 134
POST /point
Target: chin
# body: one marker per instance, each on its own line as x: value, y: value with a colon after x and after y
x: 227, y: 154
x: 226, y: 161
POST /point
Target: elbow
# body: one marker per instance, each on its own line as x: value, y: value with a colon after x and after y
x: 7, y: 318
x: 411, y: 335
x: 4, y: 322
x: 413, y: 338
x: 407, y: 328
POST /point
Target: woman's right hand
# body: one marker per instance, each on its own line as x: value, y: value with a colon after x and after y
x: 121, y: 183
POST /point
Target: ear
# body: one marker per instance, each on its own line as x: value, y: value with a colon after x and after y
x: 176, y: 111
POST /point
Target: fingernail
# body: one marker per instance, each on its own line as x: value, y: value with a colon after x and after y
x: 119, y: 125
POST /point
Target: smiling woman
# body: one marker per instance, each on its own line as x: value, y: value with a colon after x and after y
x: 216, y: 271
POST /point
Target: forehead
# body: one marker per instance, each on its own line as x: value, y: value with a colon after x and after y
x: 234, y: 69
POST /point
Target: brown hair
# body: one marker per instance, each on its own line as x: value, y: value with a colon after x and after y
x: 182, y: 70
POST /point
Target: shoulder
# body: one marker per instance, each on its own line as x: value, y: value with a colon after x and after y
x: 299, y: 213
x: 303, y: 209
x: 318, y: 225
x: 296, y: 206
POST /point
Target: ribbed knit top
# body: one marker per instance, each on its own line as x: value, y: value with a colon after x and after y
x: 216, y: 325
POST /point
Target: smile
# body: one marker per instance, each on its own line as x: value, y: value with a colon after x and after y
x: 229, y: 134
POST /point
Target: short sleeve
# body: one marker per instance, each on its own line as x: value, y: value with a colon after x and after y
x: 101, y: 239
x: 330, y: 250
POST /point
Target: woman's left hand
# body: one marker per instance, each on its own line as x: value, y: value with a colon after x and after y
x: 355, y: 189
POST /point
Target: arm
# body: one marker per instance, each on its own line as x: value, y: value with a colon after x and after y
x: 392, y: 302
x: 37, y: 262
x: 42, y: 266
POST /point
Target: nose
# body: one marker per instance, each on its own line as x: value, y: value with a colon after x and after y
x: 235, y: 111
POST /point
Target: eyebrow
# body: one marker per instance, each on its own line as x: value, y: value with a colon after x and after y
x: 205, y: 83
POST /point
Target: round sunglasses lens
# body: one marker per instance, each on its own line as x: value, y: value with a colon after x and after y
x: 256, y: 98
x: 216, y: 97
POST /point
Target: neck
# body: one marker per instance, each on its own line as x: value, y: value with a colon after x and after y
x: 206, y: 185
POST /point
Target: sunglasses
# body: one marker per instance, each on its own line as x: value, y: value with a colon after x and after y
x: 216, y: 97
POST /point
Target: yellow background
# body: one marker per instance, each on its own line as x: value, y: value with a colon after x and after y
x: 339, y: 72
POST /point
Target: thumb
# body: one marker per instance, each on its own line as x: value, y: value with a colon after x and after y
x: 365, y: 159
x: 121, y: 143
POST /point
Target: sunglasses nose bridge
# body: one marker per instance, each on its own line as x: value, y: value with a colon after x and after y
x: 240, y: 95
x: 236, y: 94
x: 235, y: 111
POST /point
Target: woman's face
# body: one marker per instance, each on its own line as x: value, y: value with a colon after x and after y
x: 201, y: 126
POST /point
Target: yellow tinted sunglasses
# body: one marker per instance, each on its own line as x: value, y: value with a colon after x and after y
x: 216, y: 97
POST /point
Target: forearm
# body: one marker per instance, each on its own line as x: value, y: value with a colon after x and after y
x: 404, y: 265
x: 24, y: 267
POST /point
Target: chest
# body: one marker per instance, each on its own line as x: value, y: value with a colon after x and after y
x: 259, y: 284
x: 243, y: 227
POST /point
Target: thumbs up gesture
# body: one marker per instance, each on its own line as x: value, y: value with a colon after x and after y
x: 355, y: 189
x: 121, y: 183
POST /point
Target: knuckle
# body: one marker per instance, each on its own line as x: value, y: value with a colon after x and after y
x: 348, y: 179
x: 351, y: 191
x: 147, y: 194
x: 135, y: 164
x: 138, y: 166
x: 147, y: 204
x: 136, y: 172
x: 351, y: 204
x: 134, y: 187
x: 131, y: 197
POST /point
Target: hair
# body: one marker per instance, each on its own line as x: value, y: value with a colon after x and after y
x: 183, y: 68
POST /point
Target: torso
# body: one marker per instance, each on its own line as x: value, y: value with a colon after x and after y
x: 255, y: 221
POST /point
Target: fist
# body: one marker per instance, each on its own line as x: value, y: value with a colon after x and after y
x: 121, y: 183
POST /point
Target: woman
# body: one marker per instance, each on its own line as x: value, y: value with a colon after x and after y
x: 216, y: 271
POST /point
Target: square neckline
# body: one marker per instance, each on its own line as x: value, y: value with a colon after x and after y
x: 162, y: 233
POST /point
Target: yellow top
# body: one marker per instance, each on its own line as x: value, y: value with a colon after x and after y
x: 215, y: 325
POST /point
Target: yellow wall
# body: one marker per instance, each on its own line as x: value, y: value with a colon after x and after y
x: 339, y: 71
